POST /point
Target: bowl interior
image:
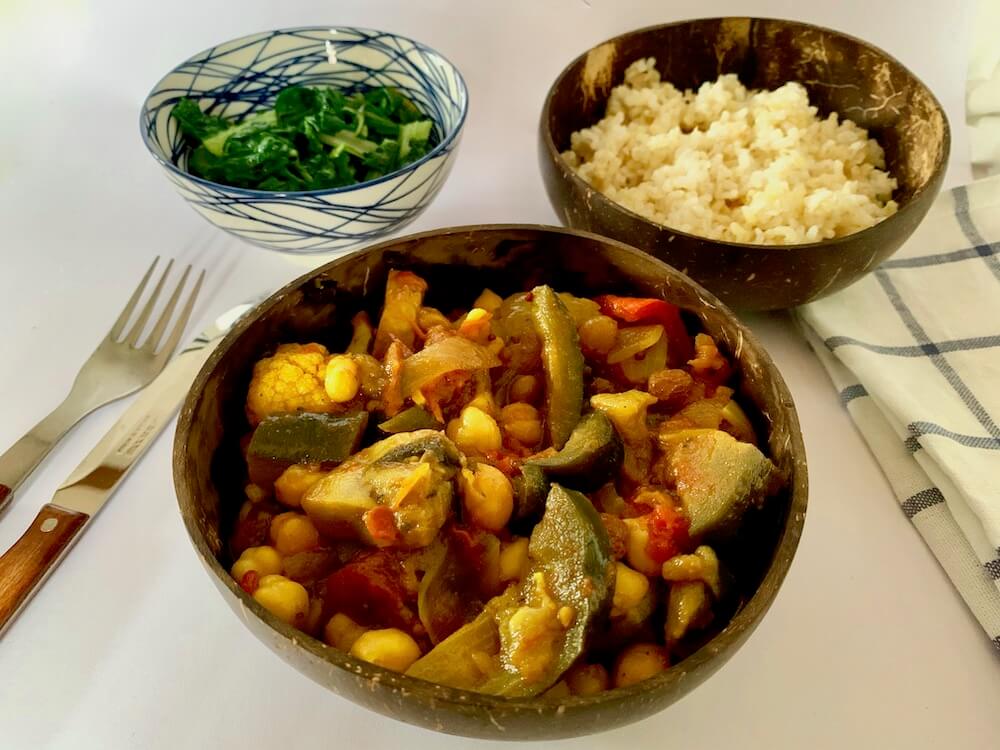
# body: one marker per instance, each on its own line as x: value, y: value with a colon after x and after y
x: 842, y: 74
x: 210, y: 474
x: 242, y: 76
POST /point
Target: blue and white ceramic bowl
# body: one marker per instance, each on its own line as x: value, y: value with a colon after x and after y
x: 240, y: 77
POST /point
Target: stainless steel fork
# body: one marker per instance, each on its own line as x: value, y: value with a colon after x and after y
x: 115, y: 369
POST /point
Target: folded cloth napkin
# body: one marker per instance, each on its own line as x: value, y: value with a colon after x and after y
x: 914, y: 349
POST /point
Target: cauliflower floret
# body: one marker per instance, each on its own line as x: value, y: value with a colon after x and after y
x: 291, y: 380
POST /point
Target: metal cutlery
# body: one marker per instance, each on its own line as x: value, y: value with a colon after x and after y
x: 26, y: 565
x: 118, y: 367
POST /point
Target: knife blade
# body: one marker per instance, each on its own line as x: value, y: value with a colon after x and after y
x: 26, y: 565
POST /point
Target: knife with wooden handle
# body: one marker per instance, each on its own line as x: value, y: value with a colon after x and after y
x: 26, y: 565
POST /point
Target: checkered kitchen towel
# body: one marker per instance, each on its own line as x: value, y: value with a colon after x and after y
x: 914, y: 349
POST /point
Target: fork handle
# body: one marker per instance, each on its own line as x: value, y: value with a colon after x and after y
x: 26, y: 565
x: 17, y: 463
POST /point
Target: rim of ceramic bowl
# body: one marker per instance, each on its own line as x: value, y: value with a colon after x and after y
x: 556, y: 156
x: 739, y: 627
x: 441, y: 148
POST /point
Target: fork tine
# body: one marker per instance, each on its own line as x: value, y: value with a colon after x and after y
x: 182, y: 320
x: 119, y: 325
x: 132, y: 337
x: 161, y: 325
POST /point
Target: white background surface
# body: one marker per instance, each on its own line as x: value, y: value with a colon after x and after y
x: 129, y: 645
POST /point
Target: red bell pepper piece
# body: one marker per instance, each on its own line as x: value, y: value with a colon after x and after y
x: 651, y: 310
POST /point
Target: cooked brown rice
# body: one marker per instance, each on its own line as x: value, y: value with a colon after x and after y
x: 733, y: 164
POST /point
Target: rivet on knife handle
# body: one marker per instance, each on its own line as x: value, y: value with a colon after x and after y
x: 26, y: 565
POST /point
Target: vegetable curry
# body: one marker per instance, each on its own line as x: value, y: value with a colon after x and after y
x: 524, y: 498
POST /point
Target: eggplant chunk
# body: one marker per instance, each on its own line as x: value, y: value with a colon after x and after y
x: 591, y: 457
x: 718, y: 478
x: 411, y: 475
x: 526, y: 638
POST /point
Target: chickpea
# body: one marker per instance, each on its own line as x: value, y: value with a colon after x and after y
x: 630, y: 588
x: 390, y: 648
x: 295, y: 482
x: 526, y: 388
x: 292, y: 533
x: 639, y: 662
x: 342, y: 632
x: 484, y: 401
x: 599, y: 334
x: 343, y: 379
x: 475, y: 431
x: 587, y: 679
x: 263, y: 560
x: 522, y: 422
x: 284, y: 598
x: 488, y: 497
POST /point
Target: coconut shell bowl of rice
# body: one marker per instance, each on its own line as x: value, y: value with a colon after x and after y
x: 772, y: 161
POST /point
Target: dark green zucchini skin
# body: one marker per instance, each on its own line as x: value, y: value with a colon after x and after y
x: 414, y: 418
x: 282, y: 440
x: 530, y: 490
x: 590, y: 458
x: 562, y: 360
x: 571, y: 553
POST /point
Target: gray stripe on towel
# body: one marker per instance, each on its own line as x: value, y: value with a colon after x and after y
x: 970, y: 441
x: 919, y: 350
x: 922, y: 501
x: 968, y: 253
x: 940, y: 361
x: 972, y: 232
x: 852, y: 392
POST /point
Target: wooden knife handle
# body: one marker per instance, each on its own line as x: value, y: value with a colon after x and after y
x: 25, y: 565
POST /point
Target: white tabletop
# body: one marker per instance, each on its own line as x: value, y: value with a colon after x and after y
x: 129, y: 644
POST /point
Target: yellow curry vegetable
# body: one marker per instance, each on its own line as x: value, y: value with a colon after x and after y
x: 290, y: 380
x: 513, y: 496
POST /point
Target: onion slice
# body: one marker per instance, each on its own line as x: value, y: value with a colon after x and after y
x: 448, y: 355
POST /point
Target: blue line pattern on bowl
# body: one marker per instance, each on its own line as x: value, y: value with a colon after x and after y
x: 237, y: 78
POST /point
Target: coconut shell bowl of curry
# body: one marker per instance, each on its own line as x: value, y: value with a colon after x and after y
x: 511, y: 482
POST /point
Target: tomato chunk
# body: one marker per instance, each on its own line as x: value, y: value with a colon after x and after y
x: 381, y: 525
x: 253, y: 529
x: 668, y: 533
x: 651, y: 310
x: 369, y: 590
